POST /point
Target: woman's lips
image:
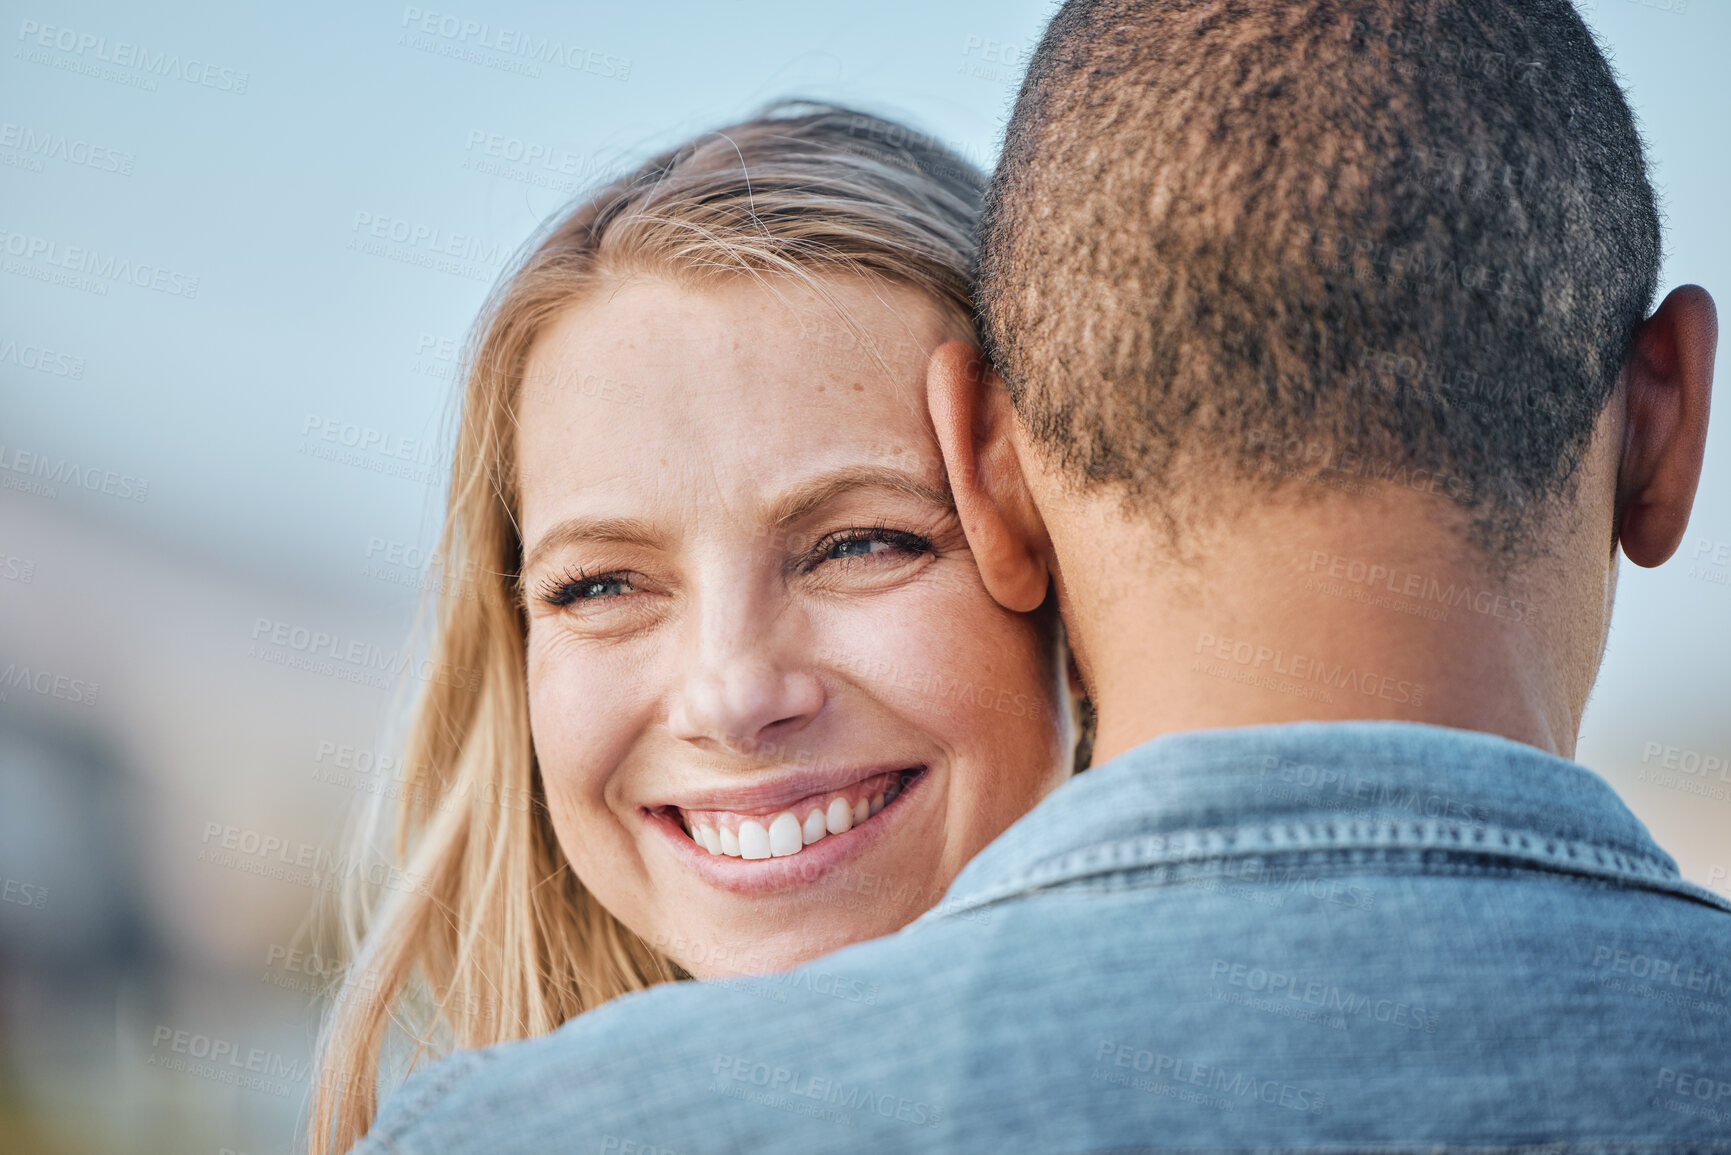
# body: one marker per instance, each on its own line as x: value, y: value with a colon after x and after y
x: 786, y: 830
x: 764, y: 835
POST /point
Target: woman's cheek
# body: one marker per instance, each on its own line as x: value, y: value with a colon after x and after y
x: 579, y: 714
x: 974, y: 674
x: 1000, y: 702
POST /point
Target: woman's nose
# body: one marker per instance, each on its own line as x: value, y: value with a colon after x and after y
x: 743, y: 702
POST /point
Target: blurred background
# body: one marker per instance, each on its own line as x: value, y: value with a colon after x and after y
x: 241, y: 250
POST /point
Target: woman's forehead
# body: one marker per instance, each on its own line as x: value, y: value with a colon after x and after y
x: 654, y: 394
x: 778, y: 327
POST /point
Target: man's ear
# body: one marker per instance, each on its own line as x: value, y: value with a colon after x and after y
x: 1667, y: 384
x: 974, y: 420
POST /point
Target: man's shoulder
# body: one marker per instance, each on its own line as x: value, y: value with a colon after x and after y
x: 669, y: 1067
x: 1305, y: 1001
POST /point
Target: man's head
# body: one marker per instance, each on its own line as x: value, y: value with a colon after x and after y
x: 1421, y: 232
x: 1306, y: 254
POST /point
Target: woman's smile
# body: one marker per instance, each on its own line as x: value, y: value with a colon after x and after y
x: 753, y: 848
x: 774, y: 828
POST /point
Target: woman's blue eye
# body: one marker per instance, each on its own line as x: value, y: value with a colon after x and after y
x: 602, y: 587
x: 589, y: 589
x: 858, y: 547
x: 864, y: 544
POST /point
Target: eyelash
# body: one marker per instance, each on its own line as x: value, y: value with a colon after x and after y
x: 902, y: 539
x: 564, y: 591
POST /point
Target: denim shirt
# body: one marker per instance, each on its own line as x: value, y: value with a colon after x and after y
x: 1357, y: 937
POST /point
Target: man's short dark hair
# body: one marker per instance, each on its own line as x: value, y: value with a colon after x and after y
x: 1371, y: 239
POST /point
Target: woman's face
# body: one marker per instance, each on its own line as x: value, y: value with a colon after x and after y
x: 774, y: 707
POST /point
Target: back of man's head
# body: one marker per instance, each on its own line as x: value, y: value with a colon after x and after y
x: 1270, y: 239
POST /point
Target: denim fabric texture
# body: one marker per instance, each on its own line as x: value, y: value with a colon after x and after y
x: 1342, y: 937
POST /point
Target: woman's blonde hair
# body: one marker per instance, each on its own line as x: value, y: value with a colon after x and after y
x: 487, y: 935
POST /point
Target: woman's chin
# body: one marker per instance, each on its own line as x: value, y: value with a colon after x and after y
x: 745, y: 916
x: 753, y: 953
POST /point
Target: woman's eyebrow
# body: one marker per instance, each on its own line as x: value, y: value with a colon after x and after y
x: 615, y: 530
x: 815, y: 492
x: 799, y: 502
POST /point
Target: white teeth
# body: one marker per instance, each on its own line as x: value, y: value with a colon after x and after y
x: 753, y: 840
x: 784, y: 835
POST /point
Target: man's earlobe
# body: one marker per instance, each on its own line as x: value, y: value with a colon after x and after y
x: 1667, y: 386
x: 974, y: 420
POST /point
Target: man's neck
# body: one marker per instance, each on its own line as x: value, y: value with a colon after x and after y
x: 1331, y: 610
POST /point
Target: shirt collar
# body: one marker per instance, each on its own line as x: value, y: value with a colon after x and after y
x: 1199, y: 794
